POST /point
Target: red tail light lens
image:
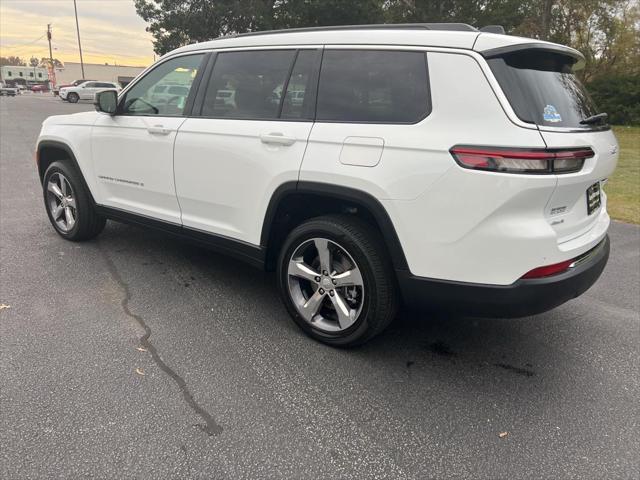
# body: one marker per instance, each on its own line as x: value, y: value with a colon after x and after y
x: 515, y: 160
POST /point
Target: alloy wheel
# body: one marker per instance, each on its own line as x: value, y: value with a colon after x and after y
x: 325, y: 285
x: 62, y: 202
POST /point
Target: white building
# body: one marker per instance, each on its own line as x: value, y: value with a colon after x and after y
x: 121, y: 74
x: 26, y: 75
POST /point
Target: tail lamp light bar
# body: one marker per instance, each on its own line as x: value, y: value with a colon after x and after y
x: 521, y: 160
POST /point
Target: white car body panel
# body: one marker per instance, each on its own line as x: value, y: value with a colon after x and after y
x: 227, y: 170
x: 74, y: 131
x: 133, y: 162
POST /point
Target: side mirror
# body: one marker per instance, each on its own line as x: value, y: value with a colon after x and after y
x: 107, y: 102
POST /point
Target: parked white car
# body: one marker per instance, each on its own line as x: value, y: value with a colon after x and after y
x: 86, y: 90
x: 435, y: 165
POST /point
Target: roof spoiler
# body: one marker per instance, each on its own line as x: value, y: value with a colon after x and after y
x: 540, y: 46
x: 577, y: 59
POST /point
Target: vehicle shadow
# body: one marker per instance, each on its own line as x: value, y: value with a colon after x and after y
x: 417, y: 344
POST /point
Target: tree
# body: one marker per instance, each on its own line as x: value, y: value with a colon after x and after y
x: 56, y: 63
x: 34, y: 62
x: 174, y: 23
x: 13, y: 61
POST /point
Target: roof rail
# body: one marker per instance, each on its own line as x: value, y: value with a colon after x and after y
x: 458, y: 27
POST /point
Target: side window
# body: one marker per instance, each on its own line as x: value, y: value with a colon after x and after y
x: 247, y: 84
x: 299, y: 101
x: 90, y: 85
x: 164, y: 90
x: 380, y: 86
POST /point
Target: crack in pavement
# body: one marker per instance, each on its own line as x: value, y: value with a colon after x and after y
x: 211, y: 428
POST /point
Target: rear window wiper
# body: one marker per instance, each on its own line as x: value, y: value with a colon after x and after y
x: 593, y: 119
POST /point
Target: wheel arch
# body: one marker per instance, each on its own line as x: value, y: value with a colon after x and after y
x: 49, y: 151
x: 283, y: 214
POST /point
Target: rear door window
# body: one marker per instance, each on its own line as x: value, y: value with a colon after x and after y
x: 373, y: 86
x: 542, y: 88
x: 248, y: 84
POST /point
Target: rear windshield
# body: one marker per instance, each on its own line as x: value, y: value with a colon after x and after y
x: 543, y: 89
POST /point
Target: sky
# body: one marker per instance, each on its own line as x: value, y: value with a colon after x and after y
x: 110, y: 30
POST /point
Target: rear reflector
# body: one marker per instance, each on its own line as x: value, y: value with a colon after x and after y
x: 549, y: 270
x: 519, y: 160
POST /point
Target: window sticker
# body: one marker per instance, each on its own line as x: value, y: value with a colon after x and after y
x: 550, y: 114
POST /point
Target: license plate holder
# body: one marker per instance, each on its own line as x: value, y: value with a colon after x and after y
x: 593, y: 198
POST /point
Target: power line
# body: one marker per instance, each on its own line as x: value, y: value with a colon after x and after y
x: 15, y: 45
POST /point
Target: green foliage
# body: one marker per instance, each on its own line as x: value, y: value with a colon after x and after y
x: 13, y: 61
x: 619, y: 96
x: 174, y: 23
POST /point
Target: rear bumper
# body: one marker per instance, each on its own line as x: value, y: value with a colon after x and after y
x: 520, y: 299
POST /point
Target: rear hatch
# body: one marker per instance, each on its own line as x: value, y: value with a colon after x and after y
x: 544, y: 90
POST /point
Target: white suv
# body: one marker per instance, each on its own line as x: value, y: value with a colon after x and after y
x: 86, y: 90
x: 429, y: 164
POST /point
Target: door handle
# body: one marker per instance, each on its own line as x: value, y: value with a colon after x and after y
x: 276, y: 138
x: 158, y: 130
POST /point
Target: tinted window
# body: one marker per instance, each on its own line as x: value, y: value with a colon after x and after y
x: 247, y: 84
x: 542, y: 88
x: 145, y: 98
x: 373, y: 86
x: 299, y: 101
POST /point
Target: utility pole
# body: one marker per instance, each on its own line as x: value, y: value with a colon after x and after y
x: 49, y: 38
x: 52, y: 81
x: 75, y: 7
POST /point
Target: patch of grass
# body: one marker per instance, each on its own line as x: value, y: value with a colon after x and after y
x: 623, y: 187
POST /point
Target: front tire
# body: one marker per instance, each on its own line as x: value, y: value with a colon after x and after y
x: 336, y: 280
x: 73, y: 98
x: 68, y: 204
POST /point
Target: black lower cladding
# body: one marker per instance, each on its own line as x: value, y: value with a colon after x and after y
x: 522, y: 298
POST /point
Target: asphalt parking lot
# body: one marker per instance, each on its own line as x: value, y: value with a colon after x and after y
x: 230, y: 388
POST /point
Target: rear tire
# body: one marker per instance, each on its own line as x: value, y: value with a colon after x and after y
x: 68, y: 204
x: 73, y: 98
x: 352, y: 300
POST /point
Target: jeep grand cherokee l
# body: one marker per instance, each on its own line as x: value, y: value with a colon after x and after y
x: 433, y: 165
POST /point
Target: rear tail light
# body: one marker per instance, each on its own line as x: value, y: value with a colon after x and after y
x: 519, y: 160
